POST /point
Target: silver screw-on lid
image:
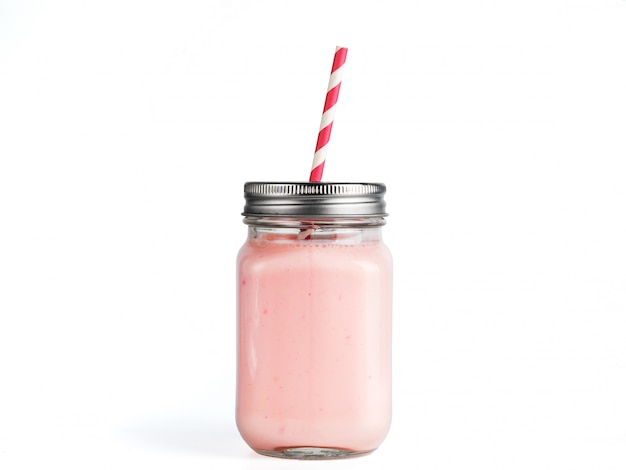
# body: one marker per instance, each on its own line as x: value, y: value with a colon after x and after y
x: 293, y: 199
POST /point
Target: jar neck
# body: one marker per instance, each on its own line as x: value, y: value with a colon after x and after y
x: 321, y: 222
x: 339, y: 230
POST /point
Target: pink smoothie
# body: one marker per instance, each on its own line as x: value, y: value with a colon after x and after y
x: 314, y: 346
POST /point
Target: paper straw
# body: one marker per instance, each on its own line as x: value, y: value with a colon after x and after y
x: 328, y: 116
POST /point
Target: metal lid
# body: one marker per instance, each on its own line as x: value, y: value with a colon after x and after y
x: 294, y: 199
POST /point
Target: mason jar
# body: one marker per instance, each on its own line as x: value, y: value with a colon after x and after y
x: 314, y: 295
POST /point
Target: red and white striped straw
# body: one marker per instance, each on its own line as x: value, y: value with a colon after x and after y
x: 326, y: 126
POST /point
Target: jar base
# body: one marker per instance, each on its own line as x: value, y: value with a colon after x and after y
x: 314, y: 453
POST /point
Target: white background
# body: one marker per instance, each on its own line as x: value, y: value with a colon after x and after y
x: 127, y: 131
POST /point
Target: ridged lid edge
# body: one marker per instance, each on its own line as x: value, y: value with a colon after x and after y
x: 314, y: 199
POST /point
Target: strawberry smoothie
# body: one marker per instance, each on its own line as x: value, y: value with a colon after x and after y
x: 314, y: 343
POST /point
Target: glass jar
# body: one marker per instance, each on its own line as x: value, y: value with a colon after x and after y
x: 314, y: 291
